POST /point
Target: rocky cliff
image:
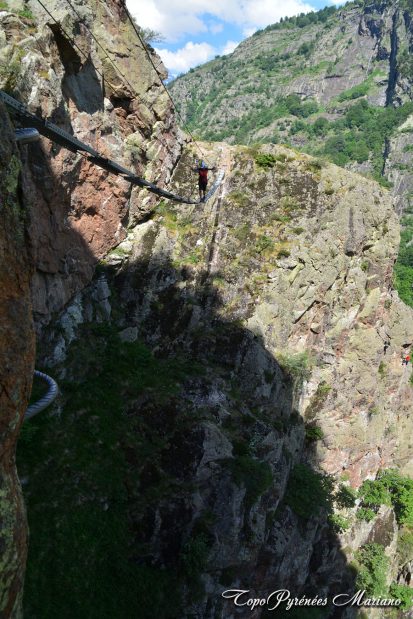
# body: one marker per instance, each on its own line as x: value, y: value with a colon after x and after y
x: 83, y: 67
x: 245, y: 359
x: 16, y: 360
x: 233, y: 409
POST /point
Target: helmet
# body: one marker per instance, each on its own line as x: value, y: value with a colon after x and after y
x: 203, y: 165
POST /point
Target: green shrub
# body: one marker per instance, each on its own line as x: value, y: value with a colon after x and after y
x: 354, y: 93
x: 314, y: 433
x: 264, y: 160
x: 374, y: 493
x: 264, y: 243
x: 405, y: 546
x: 283, y: 253
x: 382, y: 369
x: 403, y: 593
x: 338, y: 523
x: 365, y: 513
x: 373, y: 566
x: 296, y: 365
x: 308, y: 491
x: 390, y: 488
x: 345, y: 496
x: 26, y: 13
x: 194, y: 556
x: 242, y: 232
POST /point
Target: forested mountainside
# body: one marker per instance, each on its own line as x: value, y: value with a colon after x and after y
x: 233, y: 411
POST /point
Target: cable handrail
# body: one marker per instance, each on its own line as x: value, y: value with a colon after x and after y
x: 58, y: 135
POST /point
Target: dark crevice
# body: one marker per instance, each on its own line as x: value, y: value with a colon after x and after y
x: 393, y: 72
x: 71, y: 60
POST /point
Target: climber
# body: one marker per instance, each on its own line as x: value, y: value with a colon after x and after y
x: 202, y: 170
x: 406, y: 360
x: 386, y: 346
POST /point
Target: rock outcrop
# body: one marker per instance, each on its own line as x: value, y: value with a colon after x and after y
x: 85, y: 69
x: 16, y: 368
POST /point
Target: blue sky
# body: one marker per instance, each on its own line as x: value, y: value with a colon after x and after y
x: 193, y: 35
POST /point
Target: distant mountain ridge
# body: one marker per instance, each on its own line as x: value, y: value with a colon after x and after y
x: 295, y: 82
x: 337, y: 84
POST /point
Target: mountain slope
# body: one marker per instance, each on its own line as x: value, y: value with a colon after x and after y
x: 319, y: 83
x: 337, y: 84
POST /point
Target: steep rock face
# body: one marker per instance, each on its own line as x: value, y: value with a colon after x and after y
x: 60, y: 214
x: 16, y: 369
x: 289, y: 264
x: 85, y: 69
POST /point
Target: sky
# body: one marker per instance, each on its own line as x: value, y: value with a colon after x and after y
x: 195, y: 31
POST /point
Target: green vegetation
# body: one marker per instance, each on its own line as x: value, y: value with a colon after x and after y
x: 345, y: 497
x: 264, y: 160
x: 317, y: 400
x: 79, y: 499
x: 405, y: 64
x: 302, y: 20
x: 26, y: 13
x: 263, y: 244
x: 239, y: 197
x: 372, y: 566
x: 256, y: 476
x: 296, y: 365
x: 403, y: 270
x: 362, y: 133
x: 314, y: 433
x: 405, y: 546
x: 365, y: 513
x: 194, y: 556
x: 308, y: 491
x: 339, y: 523
x: 390, y: 488
x: 403, y: 593
x: 354, y: 93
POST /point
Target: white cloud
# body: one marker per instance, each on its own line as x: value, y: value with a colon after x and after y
x: 229, y: 47
x: 176, y: 18
x: 191, y: 55
x: 215, y: 27
x: 247, y: 32
x: 171, y: 23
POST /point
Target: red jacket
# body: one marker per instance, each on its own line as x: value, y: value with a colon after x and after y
x: 203, y: 174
